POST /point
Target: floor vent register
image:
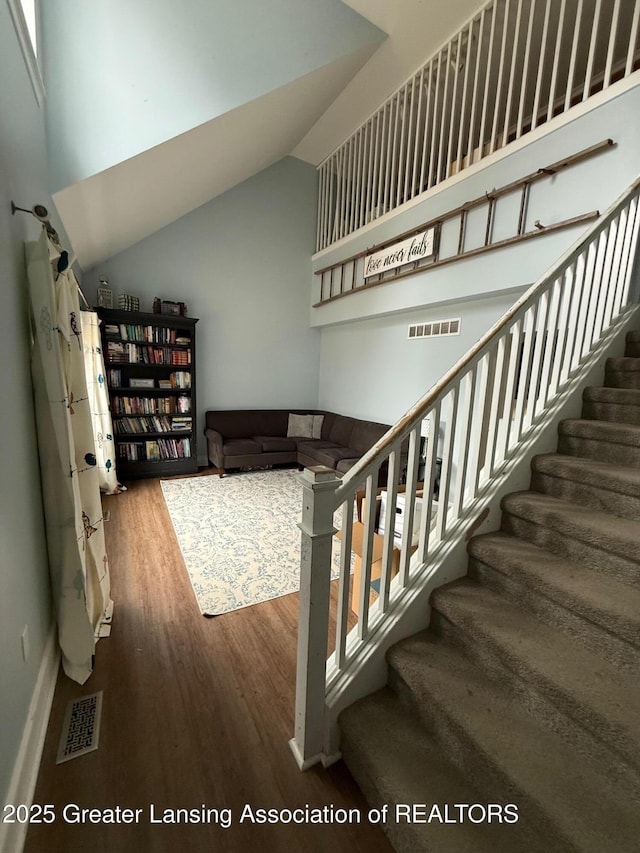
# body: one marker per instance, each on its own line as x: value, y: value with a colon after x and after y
x: 81, y: 727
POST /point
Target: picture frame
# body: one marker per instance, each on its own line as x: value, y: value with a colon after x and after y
x: 105, y: 297
x: 141, y: 383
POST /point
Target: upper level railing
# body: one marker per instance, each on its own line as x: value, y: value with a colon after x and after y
x: 476, y: 419
x: 514, y: 66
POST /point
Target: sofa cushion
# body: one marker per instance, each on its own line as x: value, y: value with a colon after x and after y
x: 300, y: 426
x: 310, y: 445
x: 275, y: 443
x: 341, y: 430
x: 241, y: 446
x: 365, y: 434
x: 330, y: 456
x: 344, y: 464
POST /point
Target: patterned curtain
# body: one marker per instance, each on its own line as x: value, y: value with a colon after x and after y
x: 78, y: 561
x: 99, y: 404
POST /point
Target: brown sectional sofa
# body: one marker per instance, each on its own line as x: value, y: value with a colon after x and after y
x: 258, y: 437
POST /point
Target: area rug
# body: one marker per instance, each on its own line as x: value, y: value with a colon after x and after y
x: 238, y: 536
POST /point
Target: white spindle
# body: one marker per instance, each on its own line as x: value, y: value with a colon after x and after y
x: 367, y: 553
x: 615, y: 268
x: 333, y: 186
x: 550, y: 338
x: 446, y: 105
x: 560, y: 341
x: 523, y: 383
x: 342, y: 612
x: 485, y: 99
x: 455, y: 116
x: 466, y: 427
x: 525, y: 73
x: 592, y: 317
x: 393, y: 478
x: 433, y: 165
x: 427, y: 128
x: 409, y: 505
x: 572, y: 305
x: 496, y: 410
x: 532, y: 409
x: 612, y: 43
x: 386, y: 199
x: 474, y: 97
x: 364, y: 172
x: 633, y: 37
x: 592, y: 51
x: 498, y: 90
x: 433, y: 418
x: 463, y: 106
x: 357, y: 182
x: 382, y: 163
x: 447, y: 459
x: 420, y: 132
x: 321, y: 209
x: 541, y: 65
x: 344, y: 187
x: 395, y: 153
x: 371, y: 171
x: 574, y: 53
x: 408, y: 163
x: 629, y: 254
x: 510, y: 388
x: 556, y: 61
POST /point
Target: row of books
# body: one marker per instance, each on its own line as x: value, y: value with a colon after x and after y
x: 155, y: 423
x: 124, y: 353
x: 177, y: 379
x: 151, y: 334
x: 150, y: 405
x: 155, y: 451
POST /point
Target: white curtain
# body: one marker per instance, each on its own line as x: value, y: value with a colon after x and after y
x: 99, y: 404
x: 73, y: 512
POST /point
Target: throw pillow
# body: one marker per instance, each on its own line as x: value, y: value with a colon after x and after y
x: 318, y: 420
x: 300, y: 426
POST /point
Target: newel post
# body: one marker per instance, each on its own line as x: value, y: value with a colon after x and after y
x: 317, y: 528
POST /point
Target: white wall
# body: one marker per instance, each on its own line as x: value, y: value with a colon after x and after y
x: 24, y: 579
x: 370, y: 369
x: 242, y: 265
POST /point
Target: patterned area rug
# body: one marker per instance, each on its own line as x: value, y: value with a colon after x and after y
x: 238, y: 536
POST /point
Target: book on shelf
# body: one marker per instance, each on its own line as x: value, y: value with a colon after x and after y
x: 181, y: 379
x: 155, y: 450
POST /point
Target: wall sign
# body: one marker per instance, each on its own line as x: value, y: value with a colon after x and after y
x: 413, y: 249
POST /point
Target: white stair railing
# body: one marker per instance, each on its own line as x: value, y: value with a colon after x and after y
x: 514, y: 66
x: 475, y: 417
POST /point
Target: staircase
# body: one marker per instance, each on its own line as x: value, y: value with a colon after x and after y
x: 525, y: 688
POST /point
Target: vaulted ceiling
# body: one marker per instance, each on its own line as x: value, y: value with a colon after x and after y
x: 153, y: 110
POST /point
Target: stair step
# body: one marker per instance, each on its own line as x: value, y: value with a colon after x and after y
x: 595, y: 539
x: 619, y: 405
x: 535, y: 656
x: 502, y: 748
x: 600, y: 485
x: 608, y: 442
x: 632, y: 347
x: 388, y: 752
x: 596, y: 609
x: 622, y: 372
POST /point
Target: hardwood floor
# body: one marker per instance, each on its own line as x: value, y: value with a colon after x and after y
x: 195, y: 711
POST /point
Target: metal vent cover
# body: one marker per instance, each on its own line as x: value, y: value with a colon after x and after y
x: 435, y: 329
x: 81, y: 727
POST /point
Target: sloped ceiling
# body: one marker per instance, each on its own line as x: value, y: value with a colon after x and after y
x: 143, y: 130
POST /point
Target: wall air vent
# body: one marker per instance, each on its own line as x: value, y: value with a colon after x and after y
x: 435, y: 329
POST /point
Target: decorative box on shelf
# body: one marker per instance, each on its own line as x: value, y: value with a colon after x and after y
x: 126, y: 302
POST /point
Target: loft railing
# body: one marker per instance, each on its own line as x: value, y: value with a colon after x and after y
x: 514, y: 66
x: 475, y: 418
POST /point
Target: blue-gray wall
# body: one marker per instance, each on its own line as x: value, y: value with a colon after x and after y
x: 24, y: 580
x: 364, y: 336
x: 112, y: 94
x: 242, y: 264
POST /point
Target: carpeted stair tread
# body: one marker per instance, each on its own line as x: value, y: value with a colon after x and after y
x: 619, y: 396
x: 623, y: 364
x: 389, y: 751
x: 597, y: 598
x: 600, y: 485
x: 497, y: 739
x: 628, y: 434
x: 601, y: 530
x: 584, y: 685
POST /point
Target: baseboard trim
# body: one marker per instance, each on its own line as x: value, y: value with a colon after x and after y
x: 27, y: 764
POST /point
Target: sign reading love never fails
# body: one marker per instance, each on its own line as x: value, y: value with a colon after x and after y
x: 409, y: 250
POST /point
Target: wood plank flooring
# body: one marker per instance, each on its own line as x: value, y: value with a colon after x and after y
x: 195, y: 711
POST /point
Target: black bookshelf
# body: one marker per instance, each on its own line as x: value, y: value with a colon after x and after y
x: 150, y: 364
